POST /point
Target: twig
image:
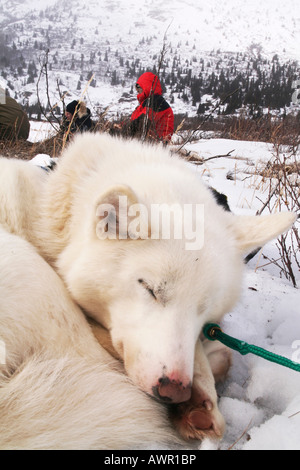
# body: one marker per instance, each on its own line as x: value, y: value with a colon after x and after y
x: 241, y: 436
x: 161, y: 59
x: 219, y: 156
x: 44, y: 70
x: 66, y: 135
x: 259, y: 212
x: 294, y: 414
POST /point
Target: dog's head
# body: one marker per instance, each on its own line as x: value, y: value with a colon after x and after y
x: 156, y: 260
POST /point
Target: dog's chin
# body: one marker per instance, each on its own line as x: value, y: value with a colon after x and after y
x: 166, y: 402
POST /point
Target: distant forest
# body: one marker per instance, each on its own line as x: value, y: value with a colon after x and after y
x: 254, y: 87
x: 240, y: 80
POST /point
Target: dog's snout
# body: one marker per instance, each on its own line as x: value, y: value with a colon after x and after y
x: 172, y: 391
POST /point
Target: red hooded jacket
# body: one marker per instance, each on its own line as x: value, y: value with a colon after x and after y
x: 154, y: 116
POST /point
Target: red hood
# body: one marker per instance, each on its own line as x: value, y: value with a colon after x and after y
x: 150, y: 84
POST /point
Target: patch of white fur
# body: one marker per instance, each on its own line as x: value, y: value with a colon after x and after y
x: 58, y: 388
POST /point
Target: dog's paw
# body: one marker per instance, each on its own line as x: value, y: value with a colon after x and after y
x: 198, y: 421
x: 219, y: 358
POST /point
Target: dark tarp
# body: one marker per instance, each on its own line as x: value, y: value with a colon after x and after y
x: 14, y: 123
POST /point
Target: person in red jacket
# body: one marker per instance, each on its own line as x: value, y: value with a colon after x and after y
x: 153, y: 118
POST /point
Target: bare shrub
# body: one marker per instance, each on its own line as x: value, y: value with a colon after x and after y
x: 283, y: 171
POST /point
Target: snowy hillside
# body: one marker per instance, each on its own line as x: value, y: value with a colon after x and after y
x: 98, y: 48
x: 273, y: 24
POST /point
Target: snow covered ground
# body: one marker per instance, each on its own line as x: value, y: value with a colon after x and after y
x: 40, y: 130
x: 260, y: 400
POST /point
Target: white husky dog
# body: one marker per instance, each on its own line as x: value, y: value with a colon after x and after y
x: 146, y: 252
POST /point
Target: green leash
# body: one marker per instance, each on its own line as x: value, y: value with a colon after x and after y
x: 213, y: 332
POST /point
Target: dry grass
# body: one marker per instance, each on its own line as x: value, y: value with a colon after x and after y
x: 264, y: 129
x: 25, y: 150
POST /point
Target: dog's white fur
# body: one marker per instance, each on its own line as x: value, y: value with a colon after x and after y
x: 59, y: 389
x: 154, y: 296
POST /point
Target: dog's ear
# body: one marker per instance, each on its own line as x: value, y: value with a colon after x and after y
x: 254, y: 231
x: 119, y: 215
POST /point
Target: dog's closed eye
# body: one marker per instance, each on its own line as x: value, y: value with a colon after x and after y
x: 147, y: 287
